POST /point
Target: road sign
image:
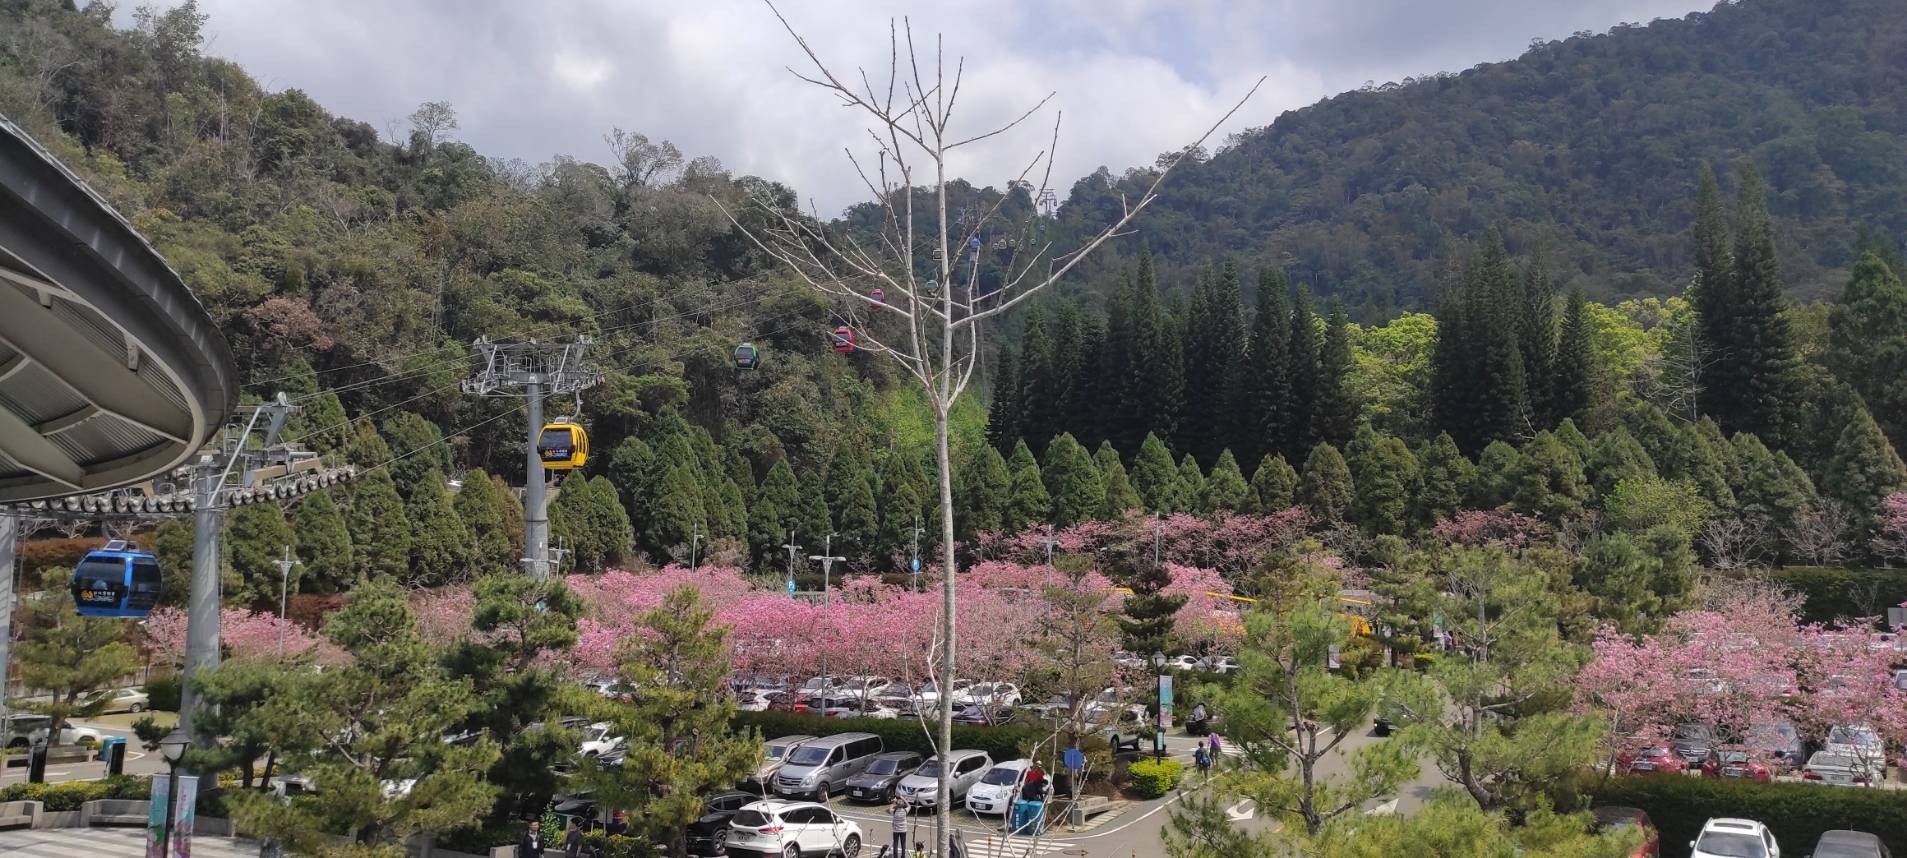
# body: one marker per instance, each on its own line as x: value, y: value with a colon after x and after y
x: 916, y: 564
x: 791, y: 586
x: 1074, y: 760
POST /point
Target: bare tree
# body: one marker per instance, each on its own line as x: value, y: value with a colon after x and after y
x: 1735, y: 542
x: 915, y: 261
x: 430, y: 121
x: 1820, y: 532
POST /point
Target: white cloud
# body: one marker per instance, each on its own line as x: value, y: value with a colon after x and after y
x: 1134, y: 78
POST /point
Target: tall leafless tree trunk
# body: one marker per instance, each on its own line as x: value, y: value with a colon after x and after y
x: 910, y: 116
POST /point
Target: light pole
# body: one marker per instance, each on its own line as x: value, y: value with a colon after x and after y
x: 1165, y: 706
x: 827, y: 561
x: 792, y: 550
x: 284, y: 579
x: 915, y: 565
x: 695, y: 540
x: 172, y: 747
x: 1050, y: 542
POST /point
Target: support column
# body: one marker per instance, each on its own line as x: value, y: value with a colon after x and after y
x: 9, y: 542
x: 536, y: 513
x: 202, y: 606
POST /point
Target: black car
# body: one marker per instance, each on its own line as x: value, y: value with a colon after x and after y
x: 1692, y: 742
x: 1850, y: 844
x: 883, y: 772
x: 580, y: 806
x: 709, y: 834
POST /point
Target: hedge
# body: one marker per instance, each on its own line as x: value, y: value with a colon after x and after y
x: 163, y: 694
x: 1003, y: 742
x: 71, y: 794
x: 1797, y: 813
x: 1833, y: 593
x: 1154, y: 778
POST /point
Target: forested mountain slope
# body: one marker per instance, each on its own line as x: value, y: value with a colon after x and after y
x: 1586, y: 148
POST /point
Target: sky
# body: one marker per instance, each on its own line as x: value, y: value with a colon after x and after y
x: 1131, y: 78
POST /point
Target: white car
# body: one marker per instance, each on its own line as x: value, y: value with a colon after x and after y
x: 1734, y: 838
x: 928, y: 694
x: 598, y: 739
x: 792, y: 829
x: 1828, y: 767
x: 1219, y: 664
x: 1182, y: 662
x: 774, y: 753
x: 922, y: 788
x: 1854, y: 741
x: 990, y: 694
x: 817, y: 685
x: 997, y: 788
x: 752, y: 701
x: 1900, y: 679
x: 1126, y: 659
x: 127, y: 700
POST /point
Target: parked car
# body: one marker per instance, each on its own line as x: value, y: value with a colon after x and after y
x: 989, y: 694
x: 928, y: 695
x: 822, y: 767
x: 1181, y: 662
x: 1126, y: 659
x: 863, y: 686
x: 1858, y: 741
x: 752, y: 700
x: 883, y: 772
x: 1650, y: 760
x: 817, y: 685
x: 580, y: 806
x: 792, y: 829
x: 982, y: 716
x: 787, y: 701
x: 708, y: 834
x: 1840, y: 769
x: 922, y: 788
x: 1737, y: 763
x: 127, y: 700
x: 1692, y: 742
x: 774, y: 751
x: 1778, y: 743
x: 1841, y: 843
x: 1900, y: 679
x: 997, y: 789
x: 1734, y: 838
x: 21, y: 728
x: 599, y: 739
x: 1219, y: 664
x: 1612, y: 818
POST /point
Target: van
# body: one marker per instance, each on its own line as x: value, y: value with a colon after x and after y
x: 822, y: 767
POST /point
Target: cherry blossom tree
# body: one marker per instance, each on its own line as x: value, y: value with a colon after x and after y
x: 243, y: 636
x: 1890, y: 536
x: 1498, y: 527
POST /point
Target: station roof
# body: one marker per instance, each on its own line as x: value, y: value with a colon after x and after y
x: 111, y: 371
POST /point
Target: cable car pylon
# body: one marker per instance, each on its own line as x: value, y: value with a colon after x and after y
x: 533, y: 370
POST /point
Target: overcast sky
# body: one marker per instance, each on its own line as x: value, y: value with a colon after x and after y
x: 1134, y: 77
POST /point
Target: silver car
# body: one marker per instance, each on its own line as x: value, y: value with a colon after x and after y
x: 774, y: 751
x: 922, y: 788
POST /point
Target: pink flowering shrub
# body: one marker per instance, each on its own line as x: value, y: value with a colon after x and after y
x: 243, y: 636
x: 1491, y: 527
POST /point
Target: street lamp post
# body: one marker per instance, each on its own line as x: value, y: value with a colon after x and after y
x: 172, y: 747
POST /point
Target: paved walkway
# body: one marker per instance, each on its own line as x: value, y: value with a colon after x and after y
x: 109, y: 843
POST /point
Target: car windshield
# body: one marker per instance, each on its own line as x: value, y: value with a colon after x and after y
x: 1853, y: 736
x: 751, y: 819
x: 808, y: 755
x: 597, y: 734
x: 931, y: 769
x: 883, y: 767
x: 1693, y: 731
x: 1734, y: 756
x: 775, y: 751
x: 981, y: 689
x: 1001, y: 775
x: 1729, y: 844
x: 1652, y: 753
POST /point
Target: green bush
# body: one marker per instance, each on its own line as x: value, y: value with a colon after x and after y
x: 72, y: 794
x: 1832, y: 593
x: 1004, y: 742
x: 1797, y: 813
x: 163, y: 694
x: 598, y: 843
x: 1154, y: 778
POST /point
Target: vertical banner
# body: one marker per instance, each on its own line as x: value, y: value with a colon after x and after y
x: 1165, y: 702
x: 156, y: 819
x: 183, y: 808
x: 1332, y: 655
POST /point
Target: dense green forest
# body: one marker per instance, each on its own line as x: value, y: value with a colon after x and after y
x: 1583, y: 150
x: 353, y: 271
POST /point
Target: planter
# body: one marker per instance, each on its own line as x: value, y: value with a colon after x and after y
x: 57, y: 819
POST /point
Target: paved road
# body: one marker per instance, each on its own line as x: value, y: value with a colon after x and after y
x: 138, y: 762
x: 108, y: 843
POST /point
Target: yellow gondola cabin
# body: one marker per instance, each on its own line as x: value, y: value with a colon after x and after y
x: 563, y: 446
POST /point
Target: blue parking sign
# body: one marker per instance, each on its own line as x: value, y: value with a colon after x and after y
x: 1074, y: 759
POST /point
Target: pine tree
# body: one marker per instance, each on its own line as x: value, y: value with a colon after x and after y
x: 857, y: 520
x: 409, y: 432
x: 1334, y: 416
x: 380, y: 531
x: 813, y: 520
x: 572, y: 526
x: 635, y: 471
x: 1536, y: 338
x: 320, y: 423
x: 71, y: 659
x: 1548, y: 482
x: 1327, y: 490
x: 677, y: 514
x: 1865, y: 469
x: 1149, y: 611
x: 1302, y: 369
x: 1028, y: 502
x: 1692, y: 458
x: 1446, y: 477
x: 1268, y: 379
x: 1478, y: 383
x: 1191, y: 485
x: 1386, y: 478
x: 256, y: 536
x: 1152, y: 361
x: 1867, y: 342
x: 1121, y: 497
x: 1653, y: 430
x: 1617, y: 457
x: 365, y: 448
x: 440, y: 546
x: 1086, y: 396
x: 986, y: 490
x: 1497, y: 468
x: 1214, y: 349
x: 1155, y: 477
x: 1225, y: 489
x: 1045, y: 375
x: 1772, y: 487
x: 479, y: 505
x: 1275, y: 484
x: 1746, y: 386
x: 899, y: 516
x: 777, y: 506
x: 610, y: 521
x: 1572, y: 387
x: 324, y: 545
x: 1072, y: 480
x: 1574, y: 439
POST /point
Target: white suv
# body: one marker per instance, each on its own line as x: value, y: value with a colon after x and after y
x: 792, y: 829
x: 1735, y: 838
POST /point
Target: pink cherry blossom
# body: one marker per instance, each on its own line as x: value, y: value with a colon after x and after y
x: 243, y: 636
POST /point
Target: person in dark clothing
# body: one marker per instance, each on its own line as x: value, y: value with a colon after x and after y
x: 573, y: 840
x: 531, y: 846
x: 618, y: 825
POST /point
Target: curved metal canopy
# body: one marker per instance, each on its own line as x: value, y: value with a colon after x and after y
x: 111, y: 371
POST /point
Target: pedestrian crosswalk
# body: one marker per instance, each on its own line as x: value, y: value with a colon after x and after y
x: 108, y: 843
x: 1004, y: 846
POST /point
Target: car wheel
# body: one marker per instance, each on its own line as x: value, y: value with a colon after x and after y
x: 136, y: 708
x: 851, y: 847
x: 791, y: 851
x: 719, y: 841
x: 821, y: 793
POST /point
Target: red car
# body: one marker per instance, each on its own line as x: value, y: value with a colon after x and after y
x: 1609, y: 818
x: 1737, y: 764
x: 1651, y: 760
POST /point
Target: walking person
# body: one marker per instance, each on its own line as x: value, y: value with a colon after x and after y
x: 1215, y: 745
x: 898, y: 812
x: 1203, y: 759
x: 531, y: 844
x: 573, y: 840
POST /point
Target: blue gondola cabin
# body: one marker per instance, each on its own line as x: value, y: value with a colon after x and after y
x: 116, y: 581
